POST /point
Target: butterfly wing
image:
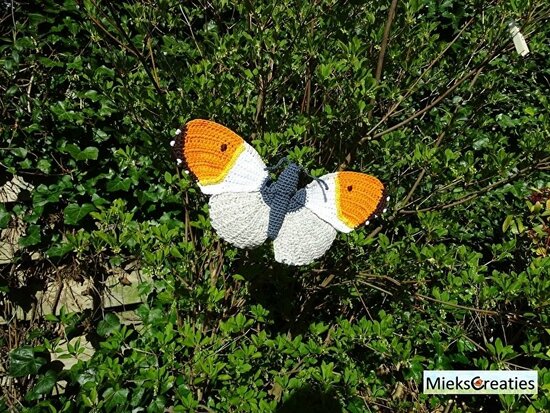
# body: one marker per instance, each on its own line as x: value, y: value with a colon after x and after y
x: 345, y: 200
x: 342, y: 201
x: 219, y: 158
x: 230, y: 170
x: 303, y: 237
x: 242, y: 219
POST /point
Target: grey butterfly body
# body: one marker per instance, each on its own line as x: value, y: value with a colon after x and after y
x: 276, y: 212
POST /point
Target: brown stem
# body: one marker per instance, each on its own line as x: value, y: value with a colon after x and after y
x: 383, y: 46
x: 462, y: 307
x: 436, y: 145
x: 391, y: 111
x: 541, y: 165
x: 132, y: 48
x: 385, y: 39
x: 260, y: 102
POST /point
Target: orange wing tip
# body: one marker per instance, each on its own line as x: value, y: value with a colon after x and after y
x: 353, y: 208
x: 225, y: 170
x: 208, y: 150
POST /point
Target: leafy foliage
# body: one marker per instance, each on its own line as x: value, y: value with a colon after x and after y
x: 455, y: 276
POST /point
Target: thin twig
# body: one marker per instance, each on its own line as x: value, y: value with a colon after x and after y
x: 423, y: 171
x: 412, y: 87
x: 152, y: 55
x: 392, y: 110
x: 462, y: 307
x: 434, y: 103
x: 436, y: 145
x: 131, y: 47
x: 541, y: 165
x: 113, y: 38
x: 191, y: 30
x: 383, y: 46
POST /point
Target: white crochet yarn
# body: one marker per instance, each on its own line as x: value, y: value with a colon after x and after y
x: 322, y: 201
x: 240, y: 218
x: 246, y: 175
x: 302, y: 238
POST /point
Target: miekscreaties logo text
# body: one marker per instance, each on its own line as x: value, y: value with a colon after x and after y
x: 480, y: 382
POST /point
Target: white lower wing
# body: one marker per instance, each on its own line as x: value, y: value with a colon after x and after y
x: 241, y: 219
x: 302, y: 238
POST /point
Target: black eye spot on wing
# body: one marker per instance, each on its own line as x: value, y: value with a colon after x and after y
x: 223, y: 147
x: 350, y: 188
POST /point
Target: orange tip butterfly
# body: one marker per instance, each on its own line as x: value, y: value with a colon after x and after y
x: 247, y: 207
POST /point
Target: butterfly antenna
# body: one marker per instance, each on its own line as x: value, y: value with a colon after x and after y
x: 320, y: 182
x: 281, y: 161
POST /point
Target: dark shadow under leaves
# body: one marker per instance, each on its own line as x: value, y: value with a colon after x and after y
x: 309, y: 399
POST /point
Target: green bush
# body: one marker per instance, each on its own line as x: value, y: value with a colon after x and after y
x: 439, y: 106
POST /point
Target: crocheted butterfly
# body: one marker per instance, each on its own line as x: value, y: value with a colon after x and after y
x: 247, y: 207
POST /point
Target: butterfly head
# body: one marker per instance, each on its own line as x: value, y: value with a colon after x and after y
x: 287, y: 181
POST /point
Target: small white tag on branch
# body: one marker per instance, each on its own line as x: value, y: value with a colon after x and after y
x: 519, y: 40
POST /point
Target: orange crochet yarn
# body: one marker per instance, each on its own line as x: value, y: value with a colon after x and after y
x: 358, y: 197
x: 210, y: 150
x: 247, y: 207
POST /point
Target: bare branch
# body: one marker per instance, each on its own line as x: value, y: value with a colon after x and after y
x: 382, y: 53
x: 541, y: 165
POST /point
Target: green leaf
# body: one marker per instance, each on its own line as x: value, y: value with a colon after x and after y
x: 118, y: 184
x: 71, y: 149
x: 507, y: 222
x: 87, y: 378
x: 116, y: 397
x: 59, y: 250
x: 92, y: 95
x: 90, y: 152
x: 43, y: 386
x: 74, y: 212
x: 44, y: 165
x: 12, y: 90
x: 24, y: 362
x: 108, y: 325
x: 20, y: 152
x: 33, y: 236
x: 158, y: 405
x: 5, y: 217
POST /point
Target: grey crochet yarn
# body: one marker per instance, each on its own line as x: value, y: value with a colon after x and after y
x: 247, y: 207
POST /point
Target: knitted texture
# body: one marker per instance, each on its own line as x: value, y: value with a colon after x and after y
x: 278, y: 196
x: 240, y: 218
x: 246, y: 207
x: 210, y: 150
x: 302, y: 238
x: 350, y: 200
x: 248, y: 174
x: 219, y: 159
x: 357, y: 197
